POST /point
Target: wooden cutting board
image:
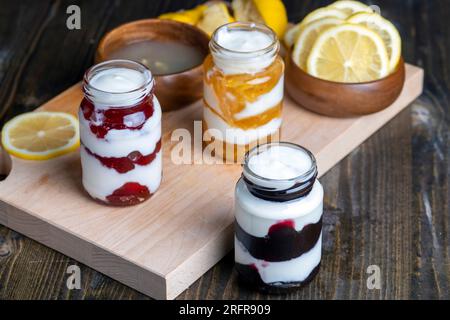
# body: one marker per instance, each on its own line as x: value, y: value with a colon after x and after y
x: 163, y: 245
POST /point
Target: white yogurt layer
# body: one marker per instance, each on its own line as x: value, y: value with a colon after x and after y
x: 101, y: 181
x: 118, y: 86
x: 221, y: 130
x: 240, y: 46
x: 280, y: 162
x: 119, y: 143
x: 256, y: 216
x: 242, y: 40
x: 294, y: 270
x: 117, y: 80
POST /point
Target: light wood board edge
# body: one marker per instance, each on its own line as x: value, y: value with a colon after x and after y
x: 83, y: 251
x: 180, y: 279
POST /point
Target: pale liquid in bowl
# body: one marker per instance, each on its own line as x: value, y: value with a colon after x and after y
x: 161, y: 57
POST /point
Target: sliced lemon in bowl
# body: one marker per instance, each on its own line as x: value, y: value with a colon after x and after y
x: 307, y: 38
x: 350, y: 7
x: 41, y: 135
x: 292, y: 34
x: 269, y: 12
x: 348, y: 53
x: 213, y: 16
x: 386, y: 30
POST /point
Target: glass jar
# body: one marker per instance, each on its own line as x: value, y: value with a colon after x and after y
x: 120, y: 130
x: 278, y: 208
x: 243, y: 88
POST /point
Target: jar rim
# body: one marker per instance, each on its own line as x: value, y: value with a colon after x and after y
x: 260, y: 148
x: 214, y: 44
x: 119, y: 63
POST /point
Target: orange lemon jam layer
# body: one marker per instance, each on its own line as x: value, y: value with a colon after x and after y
x: 245, y: 101
x: 253, y: 121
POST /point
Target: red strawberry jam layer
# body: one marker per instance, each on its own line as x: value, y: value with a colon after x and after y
x: 130, y: 193
x: 114, y: 117
x: 128, y: 163
x: 277, y: 227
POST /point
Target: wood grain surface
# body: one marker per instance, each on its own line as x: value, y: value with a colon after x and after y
x: 386, y: 204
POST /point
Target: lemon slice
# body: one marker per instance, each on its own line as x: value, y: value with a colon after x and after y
x: 325, y: 12
x: 307, y: 38
x: 291, y: 35
x: 350, y: 6
x: 348, y: 53
x: 41, y: 135
x: 269, y: 12
x: 214, y: 15
x: 386, y: 30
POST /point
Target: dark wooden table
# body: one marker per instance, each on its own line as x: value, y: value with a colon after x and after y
x: 386, y: 204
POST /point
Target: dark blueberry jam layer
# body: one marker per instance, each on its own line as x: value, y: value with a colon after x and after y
x: 282, y: 242
x: 249, y: 276
x: 114, y: 117
x: 128, y: 163
x: 130, y: 193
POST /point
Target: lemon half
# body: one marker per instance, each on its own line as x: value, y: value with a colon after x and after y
x: 215, y: 15
x: 41, y: 135
x: 191, y: 16
x: 269, y: 12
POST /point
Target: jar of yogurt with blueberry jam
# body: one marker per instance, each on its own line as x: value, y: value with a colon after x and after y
x: 278, y: 208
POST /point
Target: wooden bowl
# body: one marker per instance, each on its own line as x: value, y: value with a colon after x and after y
x: 336, y: 99
x: 175, y: 90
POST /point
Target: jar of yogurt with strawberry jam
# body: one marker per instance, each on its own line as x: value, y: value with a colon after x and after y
x: 278, y: 208
x: 120, y: 130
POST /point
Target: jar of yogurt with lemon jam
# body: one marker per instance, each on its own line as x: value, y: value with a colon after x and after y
x: 120, y: 130
x: 243, y: 88
x: 278, y: 208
